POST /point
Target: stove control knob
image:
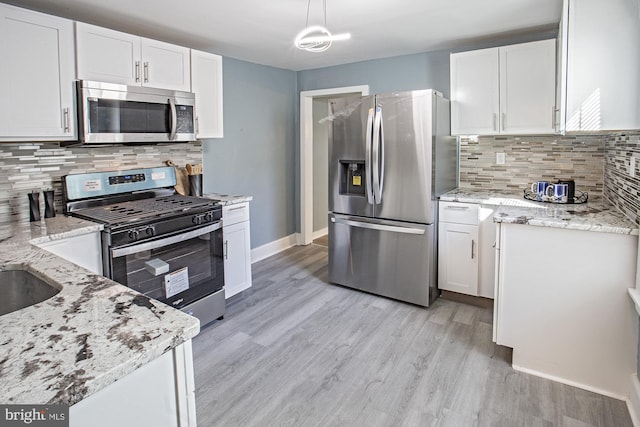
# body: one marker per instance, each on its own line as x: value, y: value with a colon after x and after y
x: 197, y: 219
x: 208, y: 217
x: 134, y: 234
x: 150, y: 231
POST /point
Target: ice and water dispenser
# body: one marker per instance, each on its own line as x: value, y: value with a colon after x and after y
x: 352, y: 178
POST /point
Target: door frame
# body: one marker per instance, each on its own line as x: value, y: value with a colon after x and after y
x: 306, y: 154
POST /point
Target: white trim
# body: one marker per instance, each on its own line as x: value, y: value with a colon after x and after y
x: 306, y: 153
x: 569, y: 382
x: 633, y: 402
x: 320, y: 233
x: 272, y: 248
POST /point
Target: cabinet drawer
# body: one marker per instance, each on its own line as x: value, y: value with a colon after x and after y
x: 233, y: 214
x: 459, y: 213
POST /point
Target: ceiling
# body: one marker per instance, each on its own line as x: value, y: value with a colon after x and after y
x: 262, y: 31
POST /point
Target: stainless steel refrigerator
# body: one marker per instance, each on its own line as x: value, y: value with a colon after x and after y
x: 390, y: 157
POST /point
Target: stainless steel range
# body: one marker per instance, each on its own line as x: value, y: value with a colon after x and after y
x: 162, y: 244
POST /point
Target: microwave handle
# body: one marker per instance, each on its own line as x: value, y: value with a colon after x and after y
x: 174, y: 118
x: 154, y: 244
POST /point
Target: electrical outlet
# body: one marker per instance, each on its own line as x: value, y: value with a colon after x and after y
x: 501, y: 158
x: 632, y: 167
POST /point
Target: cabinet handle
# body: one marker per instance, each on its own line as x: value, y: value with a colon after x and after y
x: 457, y: 208
x: 65, y: 113
x: 236, y: 208
x: 226, y: 249
x: 504, y: 121
x: 473, y: 249
x: 197, y: 126
x: 146, y: 72
x: 137, y: 71
x: 495, y: 121
x: 553, y: 117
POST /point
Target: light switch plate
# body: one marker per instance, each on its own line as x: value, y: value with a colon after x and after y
x: 501, y: 158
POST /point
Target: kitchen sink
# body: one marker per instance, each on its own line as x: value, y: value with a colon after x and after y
x: 20, y: 289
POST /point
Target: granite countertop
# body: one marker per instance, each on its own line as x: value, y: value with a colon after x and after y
x: 595, y: 215
x: 92, y: 333
x: 228, y: 199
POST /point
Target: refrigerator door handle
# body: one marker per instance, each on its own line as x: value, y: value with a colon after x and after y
x: 377, y: 190
x: 381, y: 131
x: 378, y: 226
x: 367, y: 160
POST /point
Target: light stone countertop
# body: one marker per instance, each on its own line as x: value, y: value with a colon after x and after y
x: 228, y: 199
x: 595, y: 215
x: 92, y: 333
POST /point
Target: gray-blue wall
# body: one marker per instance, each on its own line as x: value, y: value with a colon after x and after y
x: 256, y: 155
x: 420, y: 71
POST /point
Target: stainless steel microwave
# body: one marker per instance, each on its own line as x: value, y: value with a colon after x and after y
x: 112, y: 113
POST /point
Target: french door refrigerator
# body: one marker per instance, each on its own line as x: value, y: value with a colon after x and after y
x: 390, y: 157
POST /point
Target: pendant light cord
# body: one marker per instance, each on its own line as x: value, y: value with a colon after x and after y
x: 324, y: 9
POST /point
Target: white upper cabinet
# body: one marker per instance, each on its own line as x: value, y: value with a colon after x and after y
x: 504, y: 90
x: 475, y: 98
x: 599, y: 58
x: 528, y: 88
x: 206, y: 83
x: 36, y: 76
x: 112, y: 56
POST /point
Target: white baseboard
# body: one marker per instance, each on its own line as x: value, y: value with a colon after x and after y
x: 272, y: 248
x: 633, y: 402
x: 320, y: 233
x: 570, y: 382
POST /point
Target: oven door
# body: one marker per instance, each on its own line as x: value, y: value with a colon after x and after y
x: 176, y: 270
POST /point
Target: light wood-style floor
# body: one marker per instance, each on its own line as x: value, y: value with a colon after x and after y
x: 297, y: 351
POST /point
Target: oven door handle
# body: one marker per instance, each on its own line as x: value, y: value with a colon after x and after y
x: 117, y: 253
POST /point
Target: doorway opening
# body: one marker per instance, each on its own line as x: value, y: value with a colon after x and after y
x: 309, y: 101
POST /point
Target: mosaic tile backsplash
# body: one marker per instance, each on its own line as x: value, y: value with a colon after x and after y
x: 598, y: 163
x: 27, y: 167
x: 531, y: 159
x: 619, y: 187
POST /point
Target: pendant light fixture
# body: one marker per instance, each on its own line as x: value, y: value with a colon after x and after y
x: 317, y: 38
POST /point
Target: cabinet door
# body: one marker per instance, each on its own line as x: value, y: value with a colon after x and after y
x: 37, y: 74
x: 527, y: 87
x: 603, y: 65
x: 458, y: 258
x: 107, y: 56
x: 486, y: 252
x: 84, y: 250
x: 206, y: 83
x: 165, y: 65
x: 237, y: 258
x: 474, y: 92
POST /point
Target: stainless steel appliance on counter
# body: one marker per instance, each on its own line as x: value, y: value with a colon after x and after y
x: 164, y: 245
x: 390, y: 157
x: 111, y: 113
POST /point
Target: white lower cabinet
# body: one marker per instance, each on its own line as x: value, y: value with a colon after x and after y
x: 158, y: 394
x: 84, y: 250
x: 465, y: 249
x: 458, y: 261
x: 562, y: 305
x: 236, y: 233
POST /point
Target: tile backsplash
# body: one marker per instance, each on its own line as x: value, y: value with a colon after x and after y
x: 26, y: 167
x: 622, y: 190
x: 530, y: 159
x: 598, y: 163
